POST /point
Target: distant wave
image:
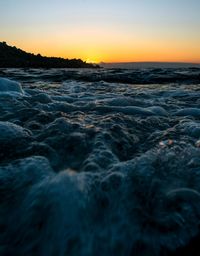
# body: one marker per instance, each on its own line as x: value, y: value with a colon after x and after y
x: 137, y: 75
x: 133, y: 65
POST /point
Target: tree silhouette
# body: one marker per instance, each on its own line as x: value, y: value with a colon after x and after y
x: 12, y: 57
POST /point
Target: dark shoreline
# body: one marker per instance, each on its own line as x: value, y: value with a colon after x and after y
x: 12, y: 57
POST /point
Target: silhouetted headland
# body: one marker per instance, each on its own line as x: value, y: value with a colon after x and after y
x: 12, y: 57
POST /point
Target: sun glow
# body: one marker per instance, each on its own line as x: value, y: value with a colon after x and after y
x: 105, y: 31
x: 93, y: 61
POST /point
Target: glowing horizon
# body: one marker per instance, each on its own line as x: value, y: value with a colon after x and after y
x: 105, y: 31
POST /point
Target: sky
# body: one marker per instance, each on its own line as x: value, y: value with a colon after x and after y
x: 104, y: 30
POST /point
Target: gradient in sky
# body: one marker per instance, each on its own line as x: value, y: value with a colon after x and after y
x: 104, y: 30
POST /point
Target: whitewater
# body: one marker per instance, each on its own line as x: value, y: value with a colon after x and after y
x: 100, y: 162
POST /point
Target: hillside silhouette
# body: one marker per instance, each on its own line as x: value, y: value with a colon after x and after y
x: 12, y: 57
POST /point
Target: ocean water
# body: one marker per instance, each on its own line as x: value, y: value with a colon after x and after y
x: 100, y: 162
x: 149, y: 65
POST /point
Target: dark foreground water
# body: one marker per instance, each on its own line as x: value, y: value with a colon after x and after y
x: 100, y: 162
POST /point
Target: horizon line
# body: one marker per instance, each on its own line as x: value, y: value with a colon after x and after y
x: 170, y: 62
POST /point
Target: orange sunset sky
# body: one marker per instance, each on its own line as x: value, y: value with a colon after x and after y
x: 107, y: 30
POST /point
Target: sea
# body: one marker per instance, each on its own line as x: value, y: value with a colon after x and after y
x: 100, y: 161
